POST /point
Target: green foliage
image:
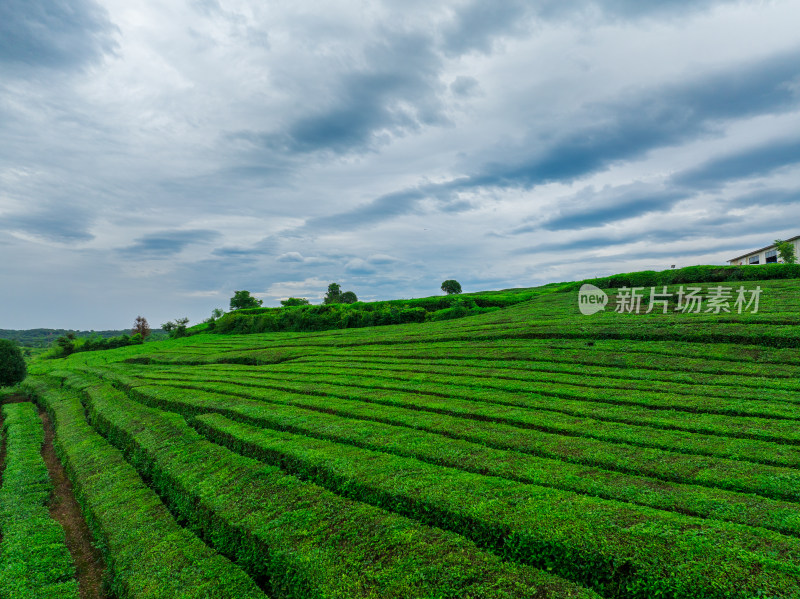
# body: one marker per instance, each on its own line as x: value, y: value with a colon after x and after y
x: 42, y: 338
x: 691, y: 274
x: 243, y: 299
x: 786, y: 251
x: 479, y: 459
x: 302, y: 540
x: 176, y: 328
x: 650, y: 455
x: 148, y: 554
x: 12, y: 364
x: 69, y: 344
x: 333, y: 294
x: 348, y: 297
x: 437, y: 496
x: 295, y: 301
x: 34, y: 560
x: 341, y: 315
x: 451, y: 417
x: 451, y: 287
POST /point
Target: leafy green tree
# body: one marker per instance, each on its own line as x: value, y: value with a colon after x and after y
x: 217, y: 313
x: 141, y: 327
x: 786, y: 251
x: 451, y: 287
x: 348, y: 297
x: 295, y: 301
x: 176, y: 328
x: 66, y: 344
x: 243, y: 299
x: 12, y: 364
x: 333, y: 295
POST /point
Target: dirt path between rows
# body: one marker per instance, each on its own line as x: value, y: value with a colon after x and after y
x: 88, y: 561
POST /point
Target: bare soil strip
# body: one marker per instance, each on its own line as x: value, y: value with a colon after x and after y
x: 89, y: 563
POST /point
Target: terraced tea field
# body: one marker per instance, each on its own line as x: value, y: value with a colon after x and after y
x: 527, y: 452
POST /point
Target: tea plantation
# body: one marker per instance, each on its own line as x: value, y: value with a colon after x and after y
x: 530, y: 451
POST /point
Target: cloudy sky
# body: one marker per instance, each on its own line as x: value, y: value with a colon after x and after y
x: 157, y: 155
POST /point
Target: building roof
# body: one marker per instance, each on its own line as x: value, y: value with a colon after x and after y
x: 762, y: 249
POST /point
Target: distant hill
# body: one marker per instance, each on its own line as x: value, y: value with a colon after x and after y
x: 44, y: 337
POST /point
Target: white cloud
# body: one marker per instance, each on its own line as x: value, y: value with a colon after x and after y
x: 383, y: 146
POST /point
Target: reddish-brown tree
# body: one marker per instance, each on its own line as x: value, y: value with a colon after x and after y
x: 140, y: 326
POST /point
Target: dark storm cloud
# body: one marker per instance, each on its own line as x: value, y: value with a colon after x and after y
x: 629, y: 9
x: 766, y: 197
x: 53, y: 33
x: 381, y: 209
x: 594, y: 209
x: 58, y: 223
x: 477, y: 24
x: 628, y: 129
x: 751, y: 162
x: 588, y: 243
x: 167, y: 243
x: 394, y: 93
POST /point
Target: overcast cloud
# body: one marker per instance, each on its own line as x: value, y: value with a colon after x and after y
x: 158, y: 155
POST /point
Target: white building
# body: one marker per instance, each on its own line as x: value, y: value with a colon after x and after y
x: 765, y: 255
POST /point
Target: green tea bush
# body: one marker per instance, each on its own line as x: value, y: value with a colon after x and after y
x: 300, y: 539
x: 12, y: 364
x: 692, y: 274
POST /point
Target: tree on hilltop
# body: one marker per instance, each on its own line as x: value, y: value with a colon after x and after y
x: 243, y: 299
x: 176, y: 328
x: 295, y: 301
x: 141, y: 327
x: 451, y: 287
x: 348, y: 297
x: 335, y: 295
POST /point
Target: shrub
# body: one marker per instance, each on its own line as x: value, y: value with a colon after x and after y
x: 12, y: 364
x: 176, y: 328
x: 691, y: 274
x: 295, y: 301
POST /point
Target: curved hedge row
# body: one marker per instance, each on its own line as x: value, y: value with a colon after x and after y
x: 148, y: 555
x: 691, y: 274
x: 301, y: 540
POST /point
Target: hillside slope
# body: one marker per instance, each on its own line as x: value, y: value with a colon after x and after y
x: 527, y: 452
